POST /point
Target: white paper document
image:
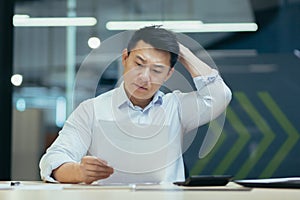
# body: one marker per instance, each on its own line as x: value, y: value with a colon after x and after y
x: 273, y: 180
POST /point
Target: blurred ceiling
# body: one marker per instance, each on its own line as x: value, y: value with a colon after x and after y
x: 208, y: 11
x: 40, y: 53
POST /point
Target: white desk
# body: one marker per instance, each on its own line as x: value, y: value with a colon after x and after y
x: 39, y: 190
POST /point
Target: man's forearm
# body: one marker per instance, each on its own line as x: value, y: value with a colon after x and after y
x: 192, y: 63
x: 67, y: 173
x: 90, y: 169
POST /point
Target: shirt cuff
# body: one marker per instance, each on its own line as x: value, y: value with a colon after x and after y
x: 202, y: 81
x: 48, y: 167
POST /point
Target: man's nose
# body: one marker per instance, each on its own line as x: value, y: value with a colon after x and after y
x: 145, y: 75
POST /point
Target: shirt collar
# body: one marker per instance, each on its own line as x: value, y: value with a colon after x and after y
x: 122, y: 98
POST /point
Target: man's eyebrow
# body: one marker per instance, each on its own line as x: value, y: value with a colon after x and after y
x: 159, y: 66
x: 140, y: 58
x: 155, y: 65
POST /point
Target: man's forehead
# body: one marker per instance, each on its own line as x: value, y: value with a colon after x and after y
x: 141, y: 50
x: 162, y: 61
x: 141, y: 45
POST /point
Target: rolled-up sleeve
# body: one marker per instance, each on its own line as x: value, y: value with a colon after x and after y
x: 72, y: 142
x: 205, y: 104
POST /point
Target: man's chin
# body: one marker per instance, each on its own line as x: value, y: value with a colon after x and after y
x: 141, y: 97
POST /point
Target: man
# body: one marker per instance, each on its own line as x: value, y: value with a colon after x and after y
x: 78, y: 153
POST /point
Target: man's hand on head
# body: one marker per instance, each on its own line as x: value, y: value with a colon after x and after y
x: 192, y: 63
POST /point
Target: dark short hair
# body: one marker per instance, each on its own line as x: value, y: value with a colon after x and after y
x: 159, y: 38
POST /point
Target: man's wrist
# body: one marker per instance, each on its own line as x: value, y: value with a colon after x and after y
x: 68, y: 172
x: 194, y: 65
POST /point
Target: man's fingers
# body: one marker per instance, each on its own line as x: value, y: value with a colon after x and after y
x: 94, y: 169
x: 91, y: 176
x: 93, y: 160
x: 94, y: 177
x: 97, y: 168
x: 102, y: 161
x: 94, y: 164
x: 97, y: 175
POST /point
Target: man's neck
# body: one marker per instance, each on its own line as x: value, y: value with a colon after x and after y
x: 137, y: 102
x: 140, y: 102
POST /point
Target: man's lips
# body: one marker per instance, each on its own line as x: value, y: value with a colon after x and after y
x: 140, y: 87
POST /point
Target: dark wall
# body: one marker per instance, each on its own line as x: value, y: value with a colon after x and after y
x: 6, y: 32
x: 261, y: 136
x: 278, y: 32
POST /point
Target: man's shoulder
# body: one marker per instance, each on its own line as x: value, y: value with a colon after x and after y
x: 104, y: 97
x: 171, y: 97
x: 101, y: 97
x: 171, y: 94
x: 105, y: 94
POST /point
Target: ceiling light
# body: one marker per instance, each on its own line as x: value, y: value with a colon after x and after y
x: 133, y: 25
x: 94, y: 42
x: 27, y: 21
x: 16, y: 79
x: 183, y: 26
x: 227, y: 27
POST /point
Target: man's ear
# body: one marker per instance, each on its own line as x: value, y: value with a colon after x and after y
x: 124, y: 56
x: 171, y: 71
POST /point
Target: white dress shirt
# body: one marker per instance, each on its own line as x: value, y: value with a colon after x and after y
x: 92, y: 129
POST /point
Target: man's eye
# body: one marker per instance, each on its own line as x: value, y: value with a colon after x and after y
x: 139, y: 64
x: 156, y: 71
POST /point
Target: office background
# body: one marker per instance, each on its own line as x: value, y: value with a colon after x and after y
x: 261, y: 133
